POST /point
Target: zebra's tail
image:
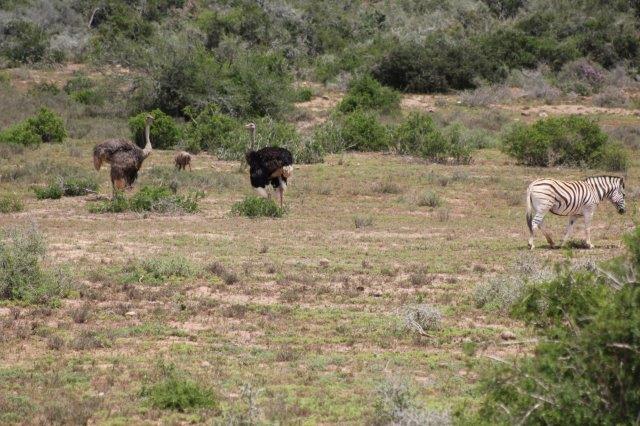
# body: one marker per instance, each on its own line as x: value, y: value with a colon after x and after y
x: 529, y: 210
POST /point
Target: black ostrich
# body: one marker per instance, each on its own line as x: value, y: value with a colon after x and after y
x: 270, y: 165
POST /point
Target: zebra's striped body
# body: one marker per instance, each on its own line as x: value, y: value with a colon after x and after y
x: 573, y: 199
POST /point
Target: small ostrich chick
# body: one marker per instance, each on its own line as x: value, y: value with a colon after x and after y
x: 182, y: 160
x: 269, y: 165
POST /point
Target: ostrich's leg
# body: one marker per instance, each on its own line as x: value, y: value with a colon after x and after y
x: 262, y: 192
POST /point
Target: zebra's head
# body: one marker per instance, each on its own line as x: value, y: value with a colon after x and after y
x: 617, y: 196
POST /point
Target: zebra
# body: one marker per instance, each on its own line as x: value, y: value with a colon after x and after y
x: 573, y: 199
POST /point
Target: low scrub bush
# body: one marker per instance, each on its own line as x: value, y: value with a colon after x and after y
x: 567, y: 141
x: 164, y: 133
x: 584, y: 370
x: 257, y: 207
x: 303, y: 94
x: 395, y: 404
x: 22, y: 276
x: 429, y: 199
x: 368, y: 94
x: 156, y: 199
x: 211, y: 130
x: 361, y: 131
x: 175, y: 391
x: 422, y: 319
x: 24, y: 42
x: 10, y: 203
x: 67, y: 186
x: 158, y: 270
x: 20, y: 134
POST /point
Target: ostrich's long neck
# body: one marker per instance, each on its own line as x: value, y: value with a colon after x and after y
x: 253, y: 139
x: 147, y: 148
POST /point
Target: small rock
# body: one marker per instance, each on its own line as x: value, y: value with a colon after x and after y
x: 543, y: 114
x: 131, y: 314
x: 525, y: 113
x: 205, y: 364
x: 507, y: 335
x: 324, y: 263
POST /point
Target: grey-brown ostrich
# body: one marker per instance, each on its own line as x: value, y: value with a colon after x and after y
x: 124, y: 156
x: 270, y: 165
x: 182, y: 160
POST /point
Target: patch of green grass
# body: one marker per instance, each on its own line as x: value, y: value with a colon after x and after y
x: 10, y: 203
x: 53, y: 191
x: 156, y: 199
x: 257, y: 207
x: 175, y: 392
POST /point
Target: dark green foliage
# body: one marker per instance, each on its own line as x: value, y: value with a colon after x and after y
x: 212, y: 130
x: 10, y: 203
x: 23, y: 42
x: 157, y: 199
x: 418, y: 135
x: 439, y: 64
x: 257, y: 207
x: 367, y: 94
x: 614, y: 157
x: 303, y: 94
x: 21, y: 274
x: 48, y: 125
x: 20, y: 134
x: 164, y: 132
x: 585, y: 369
x: 361, y: 131
x: 568, y: 141
x: 77, y: 83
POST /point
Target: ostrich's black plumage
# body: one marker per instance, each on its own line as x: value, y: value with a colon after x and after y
x: 269, y: 165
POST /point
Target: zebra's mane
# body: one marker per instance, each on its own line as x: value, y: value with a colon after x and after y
x: 619, y: 178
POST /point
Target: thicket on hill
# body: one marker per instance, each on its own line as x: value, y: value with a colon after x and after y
x: 585, y: 370
x: 566, y: 141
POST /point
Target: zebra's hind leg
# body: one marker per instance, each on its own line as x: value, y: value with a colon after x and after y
x: 572, y: 220
x: 547, y: 235
x: 588, y: 214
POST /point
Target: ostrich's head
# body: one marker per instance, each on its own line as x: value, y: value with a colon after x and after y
x: 149, y: 119
x: 251, y: 127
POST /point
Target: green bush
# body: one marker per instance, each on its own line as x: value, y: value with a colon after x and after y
x: 157, y: 199
x: 21, y: 274
x: 78, y: 83
x: 10, y: 203
x: 67, y: 186
x: 366, y: 93
x: 211, y: 130
x: 303, y: 94
x: 585, y: 368
x: 164, y: 132
x: 20, y: 134
x: 257, y: 207
x: 53, y: 191
x: 180, y: 394
x: 614, y: 157
x: 568, y: 141
x: 48, y: 125
x: 361, y: 131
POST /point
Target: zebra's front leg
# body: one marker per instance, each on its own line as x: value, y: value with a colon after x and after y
x: 572, y: 220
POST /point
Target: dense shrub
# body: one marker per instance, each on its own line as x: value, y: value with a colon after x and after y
x: 568, y: 141
x: 164, y: 132
x: 361, y: 131
x: 585, y: 368
x: 20, y: 134
x: 22, y: 276
x: 418, y: 135
x: 175, y: 391
x: 53, y: 191
x: 257, y: 207
x: 10, y: 203
x: 439, y: 64
x: 48, y: 125
x: 24, y: 42
x: 366, y: 93
x: 211, y: 130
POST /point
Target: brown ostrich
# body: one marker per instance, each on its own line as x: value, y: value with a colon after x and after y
x: 124, y: 156
x: 182, y: 160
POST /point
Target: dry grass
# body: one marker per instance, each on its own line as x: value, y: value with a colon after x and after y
x: 308, y: 307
